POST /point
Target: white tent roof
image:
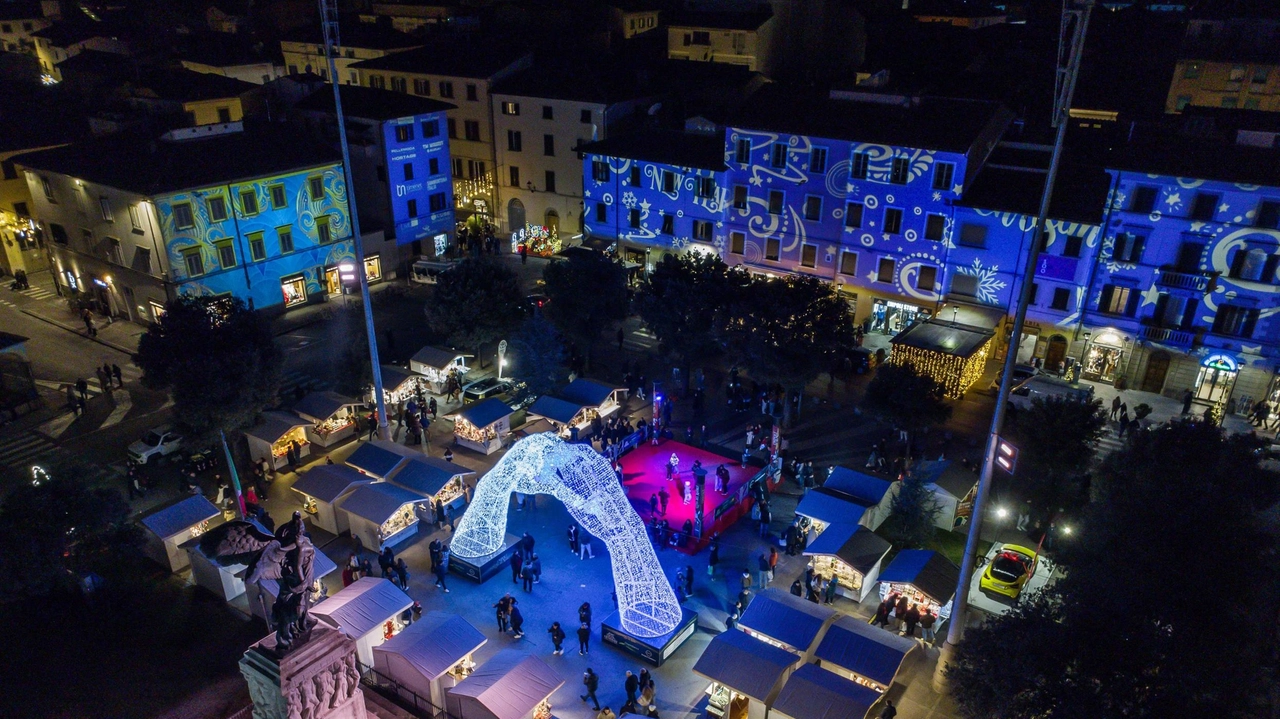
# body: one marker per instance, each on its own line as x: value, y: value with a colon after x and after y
x: 434, y: 643
x: 363, y: 606
x: 180, y: 516
x: 509, y: 685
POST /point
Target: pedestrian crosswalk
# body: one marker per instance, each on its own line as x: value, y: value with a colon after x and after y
x: 25, y: 449
x: 641, y: 340
x: 294, y: 380
x: 7, y: 303
x: 38, y: 293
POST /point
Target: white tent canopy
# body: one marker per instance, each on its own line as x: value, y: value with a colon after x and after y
x: 434, y: 643
x: 508, y: 686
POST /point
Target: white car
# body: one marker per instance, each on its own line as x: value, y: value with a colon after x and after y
x: 157, y: 442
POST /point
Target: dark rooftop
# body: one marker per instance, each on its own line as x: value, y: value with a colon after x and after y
x: 372, y: 104
x: 944, y: 337
x: 928, y: 123
x: 720, y: 20
x: 1079, y: 195
x: 141, y: 164
x: 452, y: 56
x: 65, y: 34
x: 952, y: 8
x: 20, y: 11
x: 220, y: 49
x: 183, y: 85
x: 36, y: 118
x: 668, y: 147
x: 577, y: 77
x: 364, y: 35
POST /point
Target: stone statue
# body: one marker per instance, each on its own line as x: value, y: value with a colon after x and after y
x: 343, y: 692
x: 324, y: 689
x: 353, y: 674
x: 293, y: 703
x: 288, y: 557
x: 310, y: 703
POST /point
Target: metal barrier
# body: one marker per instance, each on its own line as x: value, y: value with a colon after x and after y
x: 392, y: 690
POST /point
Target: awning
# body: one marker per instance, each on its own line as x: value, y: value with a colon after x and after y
x: 180, y: 516
x: 786, y: 618
x: 853, y: 644
x: 435, y: 357
x: 587, y: 392
x: 378, y: 502
x: 555, y: 409
x: 509, y: 685
x: 925, y: 570
x: 814, y: 693
x: 380, y: 457
x: 830, y: 507
x: 363, y: 606
x: 485, y: 412
x: 862, y: 487
x: 427, y: 475
x: 319, y: 406
x: 854, y: 544
x: 275, y: 425
x: 434, y: 643
x: 328, y: 482
x: 744, y: 664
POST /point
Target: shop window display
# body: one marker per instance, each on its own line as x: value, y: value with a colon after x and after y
x: 889, y: 317
x: 295, y: 291
x: 1102, y: 362
x: 403, y: 519
x: 281, y: 446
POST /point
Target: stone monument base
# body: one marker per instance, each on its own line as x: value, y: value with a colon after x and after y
x: 654, y: 650
x: 479, y: 569
x: 318, y: 678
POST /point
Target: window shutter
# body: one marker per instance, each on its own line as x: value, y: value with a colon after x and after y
x: 1104, y: 304
x: 1132, y: 307
x: 1250, y: 321
x: 1237, y: 261
x: 1135, y: 248
x: 1189, y: 313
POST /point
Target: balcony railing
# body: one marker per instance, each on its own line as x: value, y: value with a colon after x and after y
x: 1194, y: 281
x: 1168, y: 336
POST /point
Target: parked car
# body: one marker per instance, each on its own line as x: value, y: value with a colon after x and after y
x: 1008, y: 571
x: 158, y: 442
x: 1021, y: 373
x: 1044, y: 386
x: 488, y: 387
x: 533, y: 304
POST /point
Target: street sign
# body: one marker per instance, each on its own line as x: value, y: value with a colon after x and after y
x: 1006, y: 455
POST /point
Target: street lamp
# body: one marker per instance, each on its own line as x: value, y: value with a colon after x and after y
x: 1002, y: 513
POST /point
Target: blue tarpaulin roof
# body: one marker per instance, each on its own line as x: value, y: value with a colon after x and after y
x: 379, y: 458
x: 555, y: 409
x: 434, y: 643
x: 485, y: 412
x: 826, y: 506
x: 854, y: 544
x: 378, y: 502
x: 814, y: 693
x: 427, y: 475
x: 180, y: 516
x: 862, y: 487
x: 861, y: 648
x: 789, y: 619
x: 327, y: 482
x: 587, y: 392
x: 925, y: 570
x: 744, y: 664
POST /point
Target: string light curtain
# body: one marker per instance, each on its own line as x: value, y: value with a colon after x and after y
x: 955, y: 373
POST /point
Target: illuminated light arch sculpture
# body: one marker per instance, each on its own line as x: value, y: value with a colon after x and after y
x: 588, y: 487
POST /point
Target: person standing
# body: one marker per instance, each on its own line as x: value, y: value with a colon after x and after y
x: 115, y: 372
x: 762, y: 563
x: 82, y: 388
x: 592, y: 682
x: 557, y: 638
x: 663, y: 499
x: 537, y: 569
x: 900, y: 612
x: 927, y: 621
x: 516, y: 561
x: 584, y: 614
x: 631, y: 685
x: 1186, y: 402
x: 773, y: 561
x: 526, y: 574
x: 911, y: 619
x: 501, y: 609
x: 573, y: 538
x: 584, y: 548
x: 584, y: 639
x: 386, y: 562
x: 89, y: 328
x: 402, y: 573
x: 1115, y: 406
x: 832, y: 587
x: 889, y: 711
x: 517, y: 621
x: 713, y: 556
x: 746, y: 579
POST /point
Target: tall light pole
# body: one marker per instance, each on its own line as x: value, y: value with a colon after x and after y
x: 329, y: 22
x: 1075, y: 21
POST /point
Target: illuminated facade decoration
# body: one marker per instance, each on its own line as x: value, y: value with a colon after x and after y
x: 583, y: 480
x: 954, y: 355
x: 539, y: 240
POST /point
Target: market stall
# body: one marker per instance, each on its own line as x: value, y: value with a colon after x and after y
x: 261, y: 597
x: 483, y: 426
x: 561, y: 414
x: 877, y: 494
x: 170, y: 527
x: 435, y: 364
x: 746, y: 675
x: 380, y: 458
x: 578, y: 405
x: 814, y: 693
x: 786, y: 621
x: 400, y: 385
x: 603, y: 398
x: 435, y: 480
x: 953, y: 354
x: 924, y: 577
x: 852, y: 554
x: 954, y: 489
x: 862, y: 653
x: 272, y: 436
x: 322, y: 488
x: 381, y: 514
x: 333, y: 417
x: 430, y: 656
x: 368, y: 611
x: 823, y: 507
x: 512, y: 684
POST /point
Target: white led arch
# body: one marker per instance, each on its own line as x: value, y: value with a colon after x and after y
x: 586, y: 484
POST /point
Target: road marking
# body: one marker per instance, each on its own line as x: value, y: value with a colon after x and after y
x: 26, y: 448
x: 124, y: 403
x: 58, y: 425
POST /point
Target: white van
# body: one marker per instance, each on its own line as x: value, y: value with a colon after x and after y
x: 1043, y: 386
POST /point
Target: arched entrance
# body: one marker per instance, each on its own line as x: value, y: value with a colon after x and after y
x: 552, y: 221
x: 515, y: 215
x: 1217, y: 377
x: 1157, y: 370
x: 1055, y: 353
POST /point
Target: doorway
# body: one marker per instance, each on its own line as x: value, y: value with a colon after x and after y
x: 515, y: 215
x: 552, y: 221
x: 1055, y: 353
x: 1217, y: 377
x: 1157, y: 369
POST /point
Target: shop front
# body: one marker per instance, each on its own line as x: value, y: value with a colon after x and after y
x: 823, y: 507
x: 333, y: 274
x: 1104, y: 357
x: 437, y: 481
x: 745, y: 675
x: 368, y: 611
x: 851, y: 554
x: 788, y: 622
x: 483, y: 426
x: 400, y: 385
x: 429, y: 657
x: 924, y: 577
x: 294, y: 289
x: 862, y: 653
x: 272, y: 438
x: 381, y: 515
x: 322, y: 488
x: 1216, y: 378
x: 890, y: 317
x: 333, y: 417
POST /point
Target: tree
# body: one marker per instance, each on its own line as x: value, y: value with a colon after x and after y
x: 352, y: 372
x: 1055, y: 437
x: 475, y: 303
x: 538, y: 356
x: 906, y: 398
x: 787, y: 331
x: 681, y: 302
x: 219, y: 361
x: 913, y: 509
x: 588, y: 292
x: 1124, y: 632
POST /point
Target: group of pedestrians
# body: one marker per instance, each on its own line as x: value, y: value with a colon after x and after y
x: 906, y: 615
x: 439, y: 563
x: 526, y: 566
x: 640, y: 689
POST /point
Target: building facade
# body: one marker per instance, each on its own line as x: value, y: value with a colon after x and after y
x: 303, y: 50
x: 18, y: 22
x: 1231, y: 63
x: 59, y: 42
x: 736, y: 38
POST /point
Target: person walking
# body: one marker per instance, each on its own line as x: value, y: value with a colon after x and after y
x: 882, y: 614
x: 537, y: 569
x: 557, y: 638
x: 713, y: 555
x: 1115, y: 406
x: 89, y: 328
x: 516, y: 562
x: 763, y: 569
x: 688, y: 579
x: 927, y: 620
x: 386, y: 562
x: 442, y: 569
x: 584, y: 614
x: 82, y: 388
x: 592, y: 682
x: 889, y: 712
x: 517, y: 622
x: 584, y: 639
x: 631, y: 685
x: 1186, y: 402
x: 74, y: 404
x: 573, y: 538
x: 402, y: 573
x: 115, y: 372
x: 584, y: 548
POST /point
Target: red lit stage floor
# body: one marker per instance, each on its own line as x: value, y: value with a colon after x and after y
x: 644, y: 472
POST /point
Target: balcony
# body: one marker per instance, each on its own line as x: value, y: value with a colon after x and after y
x: 1150, y: 332
x: 1193, y: 281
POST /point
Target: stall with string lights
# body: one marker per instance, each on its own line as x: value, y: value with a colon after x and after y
x: 953, y: 354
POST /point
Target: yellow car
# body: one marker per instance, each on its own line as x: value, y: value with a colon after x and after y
x: 1009, y: 570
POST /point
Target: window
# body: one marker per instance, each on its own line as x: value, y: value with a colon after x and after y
x: 549, y: 145
x: 1127, y: 247
x: 740, y: 197
x: 8, y: 170
x: 113, y: 251
x: 886, y: 270
x: 104, y: 204
x: 1260, y: 74
x: 48, y: 190
x: 933, y: 227
x: 472, y: 129
x: 1236, y: 74
x: 927, y: 278
x: 848, y: 263
x: 633, y: 218
x: 1061, y: 298
x: 853, y: 214
x: 1117, y: 300
x: 411, y: 208
x: 585, y: 117
x: 457, y: 167
x: 249, y: 202
x: 549, y: 178
x: 511, y: 108
x: 772, y: 249
x: 701, y: 37
x: 1268, y: 214
x: 668, y: 181
x: 475, y: 168
x: 600, y: 171
x: 257, y: 248
x: 808, y: 255
x: 87, y: 236
x: 1253, y: 264
x: 399, y: 84
x: 706, y: 187
x: 973, y: 235
x: 194, y: 262
x: 433, y: 166
x: 430, y: 128
x: 315, y: 185
x: 134, y: 218
x: 224, y: 114
x: 702, y: 230
x: 1235, y: 321
x: 1144, y: 200
x: 818, y: 160
x: 378, y: 82
x: 285, y: 235
x: 1073, y: 246
x: 404, y: 133
x: 858, y: 170
x: 812, y: 208
x: 217, y: 208
x: 323, y: 234
x: 742, y: 151
x: 634, y: 179
x: 892, y: 220
x: 452, y: 126
x: 515, y: 141
x: 142, y: 259
x: 778, y: 157
x: 1204, y: 207
x: 1230, y: 102
x: 548, y: 112
x: 422, y: 87
x: 737, y: 243
x: 183, y: 219
x: 898, y: 172
x: 602, y: 214
x: 962, y: 284
x: 1035, y: 292
x: 943, y: 174
x: 776, y: 198
x: 668, y: 224
x: 278, y: 199
x: 1252, y: 103
x: 21, y: 210
x: 446, y: 89
x: 473, y: 94
x: 59, y: 233
x: 436, y: 202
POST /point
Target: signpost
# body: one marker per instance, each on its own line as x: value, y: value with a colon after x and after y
x: 502, y: 355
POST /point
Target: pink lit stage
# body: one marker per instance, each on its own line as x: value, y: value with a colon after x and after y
x: 644, y: 471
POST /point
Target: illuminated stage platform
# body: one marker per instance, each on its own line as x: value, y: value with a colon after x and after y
x: 654, y: 650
